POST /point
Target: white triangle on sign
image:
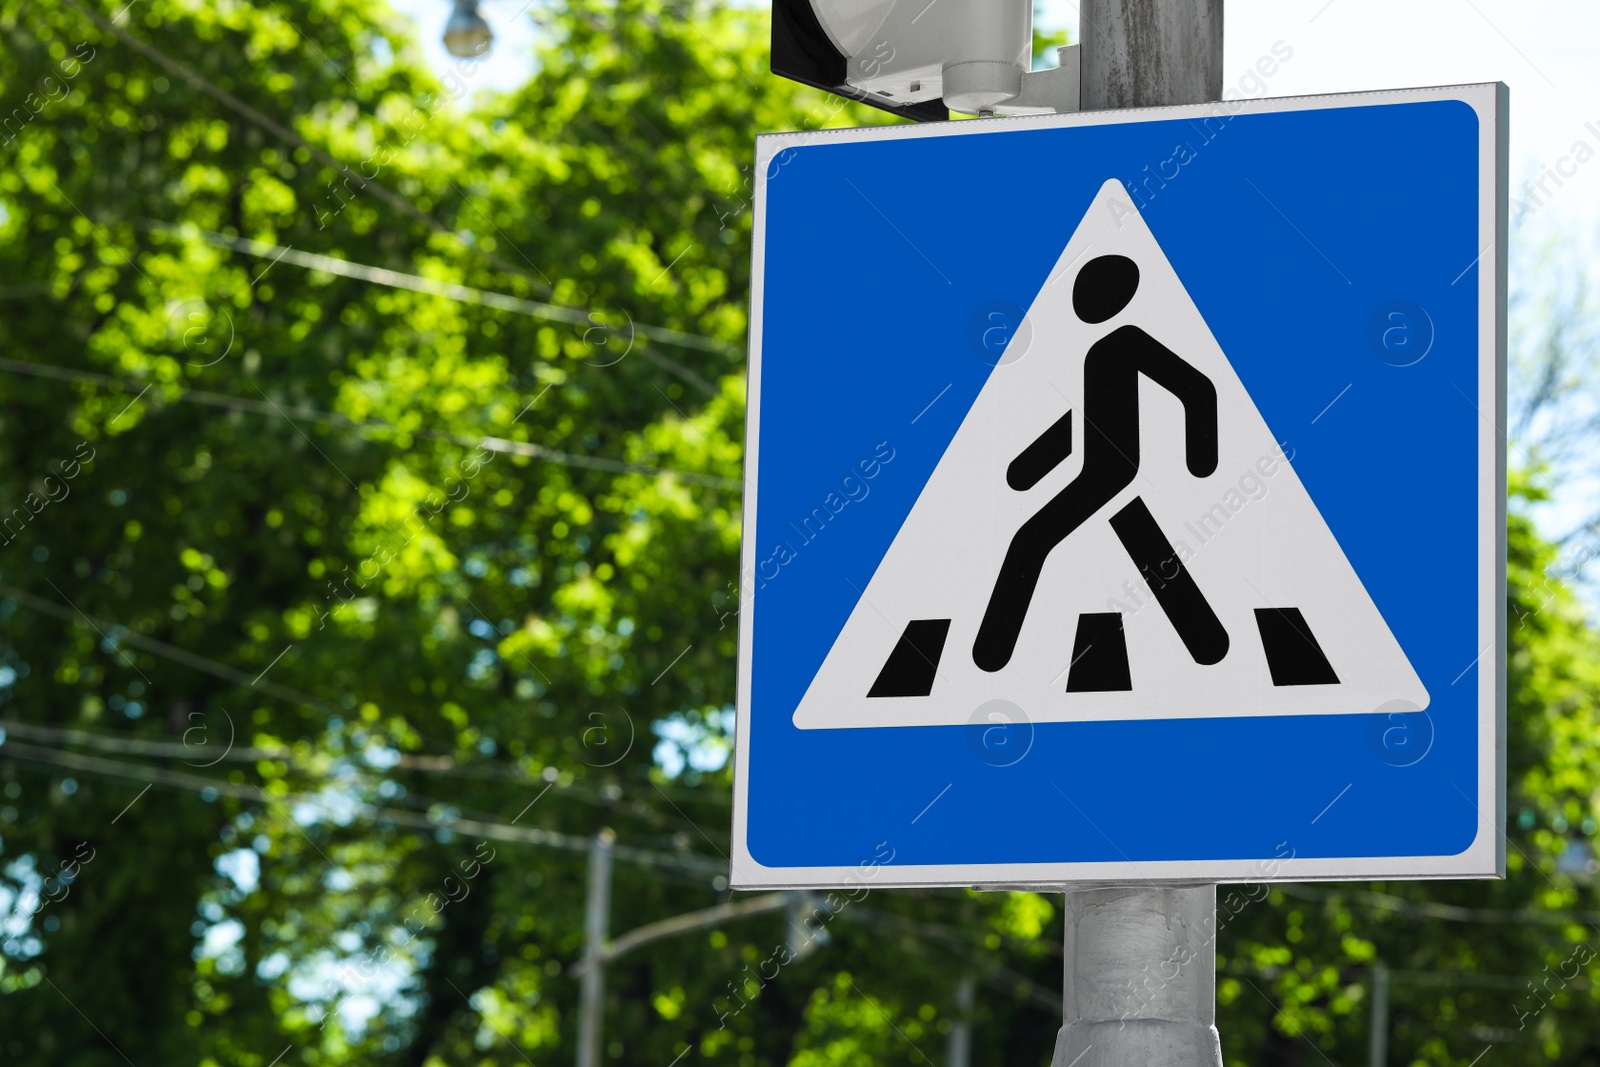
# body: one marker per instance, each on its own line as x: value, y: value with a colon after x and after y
x: 1302, y: 635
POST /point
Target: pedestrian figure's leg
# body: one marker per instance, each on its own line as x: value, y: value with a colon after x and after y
x: 1174, y: 587
x: 1008, y: 606
x: 1019, y: 573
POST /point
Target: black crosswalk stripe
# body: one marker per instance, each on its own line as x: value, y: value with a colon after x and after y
x: 910, y: 669
x: 1293, y: 655
x: 1100, y: 655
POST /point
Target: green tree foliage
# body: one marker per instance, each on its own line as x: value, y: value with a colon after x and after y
x: 394, y: 594
x: 357, y: 574
x: 1045, y: 42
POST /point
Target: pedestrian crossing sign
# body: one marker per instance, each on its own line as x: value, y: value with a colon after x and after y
x: 1125, y: 497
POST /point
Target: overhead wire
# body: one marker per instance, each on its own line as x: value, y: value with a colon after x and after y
x: 382, y: 276
x: 999, y: 975
x: 467, y: 294
x: 117, y: 633
x: 1369, y: 898
x: 488, y: 829
x: 1448, y: 912
x: 464, y: 293
x: 599, y: 795
x: 666, y: 863
x: 420, y: 764
x: 263, y: 407
x: 1449, y: 979
x: 396, y: 200
x: 347, y: 768
x: 282, y: 133
x: 131, y: 745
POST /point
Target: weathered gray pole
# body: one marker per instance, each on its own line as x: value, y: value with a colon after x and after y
x: 1149, y: 53
x: 958, y: 1048
x: 1141, y: 978
x: 1141, y: 960
x: 596, y: 928
x: 1378, y: 1039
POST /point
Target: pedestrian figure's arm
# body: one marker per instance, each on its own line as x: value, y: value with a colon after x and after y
x: 1043, y: 456
x: 1199, y: 397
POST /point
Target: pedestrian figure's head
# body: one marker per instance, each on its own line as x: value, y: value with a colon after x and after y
x: 1104, y: 287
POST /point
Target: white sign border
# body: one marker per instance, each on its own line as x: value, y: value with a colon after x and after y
x: 1486, y: 856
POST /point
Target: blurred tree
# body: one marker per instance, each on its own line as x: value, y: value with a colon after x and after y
x: 1045, y: 42
x: 393, y: 594
x: 355, y: 573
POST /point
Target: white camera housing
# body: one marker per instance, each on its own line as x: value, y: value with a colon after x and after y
x: 970, y: 56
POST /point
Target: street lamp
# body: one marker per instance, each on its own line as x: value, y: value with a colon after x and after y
x: 466, y: 34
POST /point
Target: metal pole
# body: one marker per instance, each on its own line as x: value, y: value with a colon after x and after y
x: 958, y: 1052
x: 596, y: 923
x: 1378, y: 1039
x: 1141, y: 961
x: 1149, y: 53
x: 802, y: 940
x: 1141, y: 978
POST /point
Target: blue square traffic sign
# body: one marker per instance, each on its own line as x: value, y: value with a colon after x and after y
x: 1125, y: 497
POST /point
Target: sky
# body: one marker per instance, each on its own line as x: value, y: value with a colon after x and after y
x: 1545, y: 51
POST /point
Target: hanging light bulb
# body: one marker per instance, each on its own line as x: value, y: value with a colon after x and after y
x: 466, y: 34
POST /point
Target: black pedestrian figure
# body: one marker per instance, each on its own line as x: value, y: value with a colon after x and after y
x: 1111, y: 372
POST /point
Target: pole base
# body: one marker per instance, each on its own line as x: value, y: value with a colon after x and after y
x: 1137, y: 1043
